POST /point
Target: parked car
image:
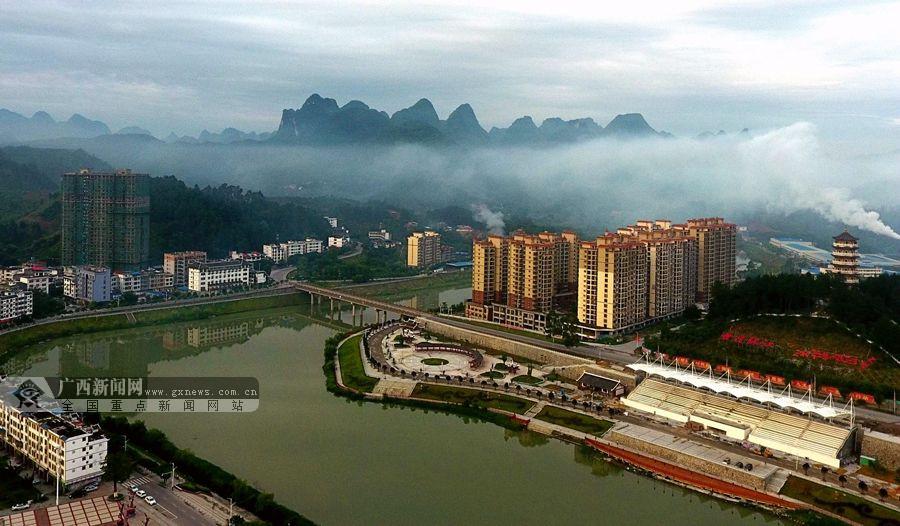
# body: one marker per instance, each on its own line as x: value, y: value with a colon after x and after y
x: 134, y: 488
x: 150, y: 500
x: 92, y: 487
x: 20, y: 507
x: 140, y: 493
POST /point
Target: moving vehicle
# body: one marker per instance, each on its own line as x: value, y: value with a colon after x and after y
x: 150, y: 500
x: 20, y: 507
x: 140, y: 493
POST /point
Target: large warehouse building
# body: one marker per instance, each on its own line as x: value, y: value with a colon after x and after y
x: 795, y: 434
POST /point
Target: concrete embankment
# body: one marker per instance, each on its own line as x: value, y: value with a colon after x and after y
x: 15, y: 339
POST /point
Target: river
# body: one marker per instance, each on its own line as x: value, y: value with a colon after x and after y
x: 355, y: 463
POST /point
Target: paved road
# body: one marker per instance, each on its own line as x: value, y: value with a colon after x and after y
x: 171, y: 509
x: 279, y: 275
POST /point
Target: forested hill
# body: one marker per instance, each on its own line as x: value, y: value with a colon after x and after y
x: 223, y: 218
x: 215, y: 219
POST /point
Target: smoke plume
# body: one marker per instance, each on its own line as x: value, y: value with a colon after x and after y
x: 492, y: 220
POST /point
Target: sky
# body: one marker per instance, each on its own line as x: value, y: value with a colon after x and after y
x: 688, y: 66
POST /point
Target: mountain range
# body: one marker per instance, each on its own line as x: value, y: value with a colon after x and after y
x: 321, y: 121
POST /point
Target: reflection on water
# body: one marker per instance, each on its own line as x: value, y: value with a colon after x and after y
x: 356, y: 463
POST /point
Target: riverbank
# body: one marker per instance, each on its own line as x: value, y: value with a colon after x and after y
x: 14, y: 341
x: 573, y: 426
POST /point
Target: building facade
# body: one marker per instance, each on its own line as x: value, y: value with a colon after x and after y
x: 177, y: 263
x: 517, y: 280
x: 279, y: 252
x: 106, y: 219
x: 137, y: 282
x: 716, y: 245
x: 216, y: 275
x: 15, y: 302
x: 620, y: 281
x: 423, y: 249
x: 88, y: 283
x: 58, y: 444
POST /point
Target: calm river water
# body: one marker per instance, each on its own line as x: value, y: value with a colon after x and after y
x: 351, y: 463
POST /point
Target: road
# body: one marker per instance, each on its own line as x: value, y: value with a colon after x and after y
x: 171, y: 507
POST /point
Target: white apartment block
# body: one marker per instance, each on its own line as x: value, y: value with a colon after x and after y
x: 37, y: 278
x: 279, y: 252
x: 214, y: 275
x: 58, y: 445
x: 88, y: 283
x: 142, y: 281
x: 338, y: 241
x: 16, y: 303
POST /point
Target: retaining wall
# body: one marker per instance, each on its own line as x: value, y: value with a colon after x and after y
x: 496, y: 343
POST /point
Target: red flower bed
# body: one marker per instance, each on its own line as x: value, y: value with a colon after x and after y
x: 838, y: 358
x: 747, y: 341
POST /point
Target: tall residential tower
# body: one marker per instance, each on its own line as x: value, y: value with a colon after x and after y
x: 106, y: 219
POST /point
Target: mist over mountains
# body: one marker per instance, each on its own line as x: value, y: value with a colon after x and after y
x: 321, y: 121
x: 571, y: 172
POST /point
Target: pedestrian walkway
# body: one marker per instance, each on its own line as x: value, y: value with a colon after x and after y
x: 139, y: 481
x: 535, y: 409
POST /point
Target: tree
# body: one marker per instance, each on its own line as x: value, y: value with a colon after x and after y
x: 882, y: 493
x: 806, y: 467
x: 118, y: 468
x: 843, y: 480
x: 863, y: 487
x: 824, y: 471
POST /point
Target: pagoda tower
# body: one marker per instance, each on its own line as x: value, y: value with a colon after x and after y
x: 845, y: 258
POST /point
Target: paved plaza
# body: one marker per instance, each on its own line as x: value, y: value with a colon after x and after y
x: 97, y: 511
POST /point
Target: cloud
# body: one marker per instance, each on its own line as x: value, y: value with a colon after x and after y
x: 690, y: 66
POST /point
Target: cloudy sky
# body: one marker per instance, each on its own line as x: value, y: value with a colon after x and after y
x: 688, y: 66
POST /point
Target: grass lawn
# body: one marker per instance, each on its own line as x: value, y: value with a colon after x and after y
x: 352, y: 371
x: 850, y: 506
x: 15, y: 490
x: 435, y: 361
x: 472, y: 397
x: 494, y: 375
x: 573, y: 420
x: 510, y: 330
x: 410, y: 287
x: 526, y: 379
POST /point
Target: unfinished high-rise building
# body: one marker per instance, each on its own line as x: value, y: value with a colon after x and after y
x: 106, y: 219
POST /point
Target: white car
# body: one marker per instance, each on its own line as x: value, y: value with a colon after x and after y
x: 150, y: 500
x: 140, y: 493
x: 20, y: 507
x: 134, y: 489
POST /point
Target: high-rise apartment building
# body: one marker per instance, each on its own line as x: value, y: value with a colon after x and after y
x: 423, y: 249
x: 715, y: 252
x: 177, y: 263
x: 612, y: 283
x: 516, y: 280
x: 106, y: 219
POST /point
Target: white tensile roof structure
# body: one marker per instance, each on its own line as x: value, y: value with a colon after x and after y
x: 782, y: 397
